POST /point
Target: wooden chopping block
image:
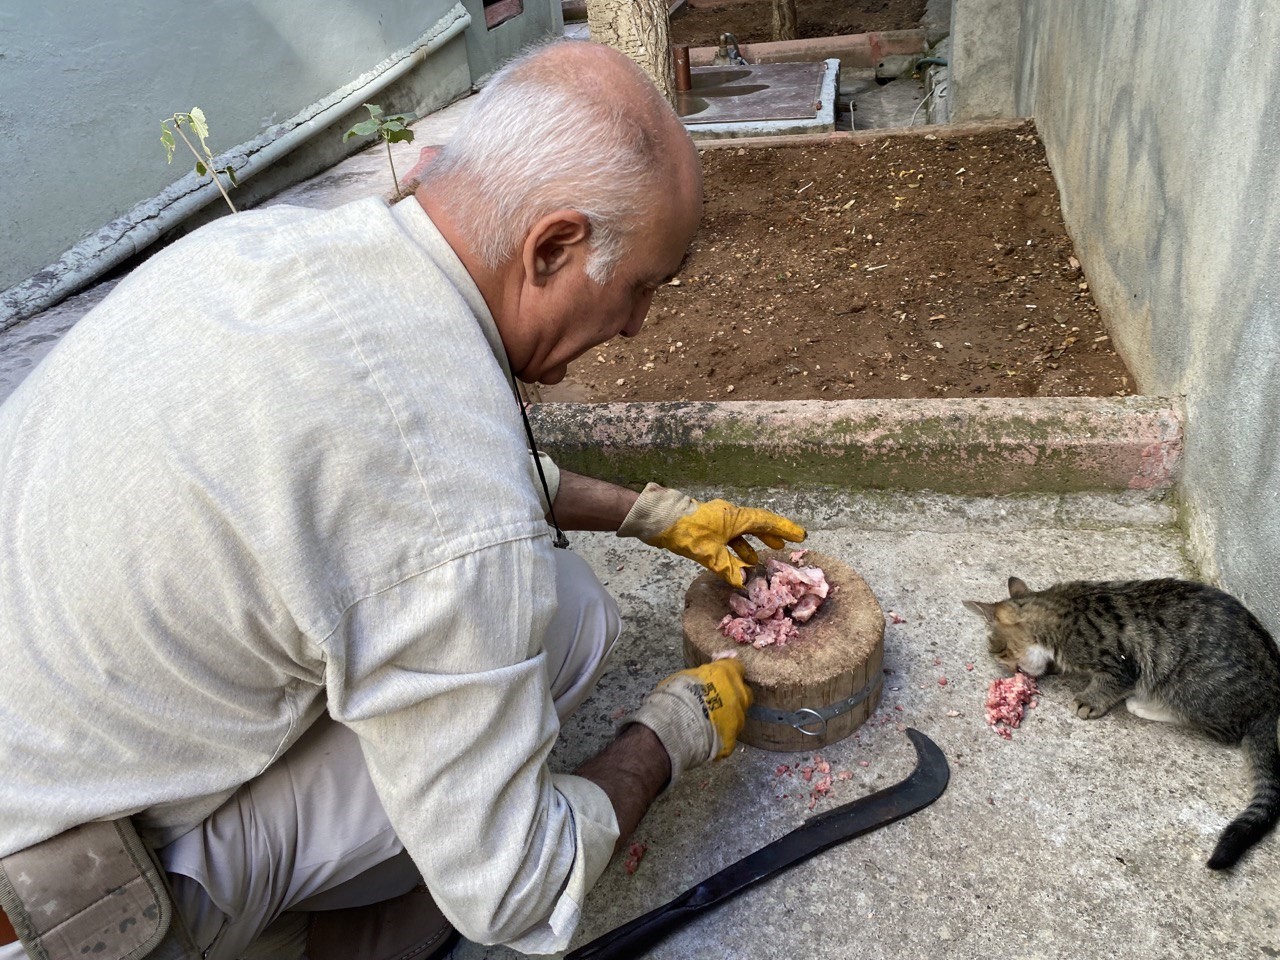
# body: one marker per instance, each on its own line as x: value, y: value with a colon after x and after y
x: 818, y: 688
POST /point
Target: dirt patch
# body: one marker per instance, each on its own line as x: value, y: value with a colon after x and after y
x: 904, y: 266
x: 750, y: 22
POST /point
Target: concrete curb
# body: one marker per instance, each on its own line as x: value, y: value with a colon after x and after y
x: 858, y: 137
x: 976, y: 447
x: 888, y: 52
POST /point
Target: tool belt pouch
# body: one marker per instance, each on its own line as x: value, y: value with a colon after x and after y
x: 92, y: 891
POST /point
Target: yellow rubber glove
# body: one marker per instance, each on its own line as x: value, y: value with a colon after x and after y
x: 706, y: 532
x: 697, y: 713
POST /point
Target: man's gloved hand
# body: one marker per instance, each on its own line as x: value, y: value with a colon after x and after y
x: 706, y: 531
x: 697, y: 713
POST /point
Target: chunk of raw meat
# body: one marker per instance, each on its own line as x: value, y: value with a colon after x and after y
x: 1007, y: 698
x: 806, y: 607
x: 797, y: 580
x: 772, y: 605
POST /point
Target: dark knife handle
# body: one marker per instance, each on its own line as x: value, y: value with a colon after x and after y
x: 925, y: 784
x: 812, y: 837
x: 634, y: 938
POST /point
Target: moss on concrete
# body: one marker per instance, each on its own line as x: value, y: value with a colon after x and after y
x: 970, y: 470
x: 985, y: 450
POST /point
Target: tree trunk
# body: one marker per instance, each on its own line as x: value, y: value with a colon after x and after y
x: 641, y: 30
x: 784, y: 19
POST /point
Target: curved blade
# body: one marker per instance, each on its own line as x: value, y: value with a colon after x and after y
x: 924, y: 785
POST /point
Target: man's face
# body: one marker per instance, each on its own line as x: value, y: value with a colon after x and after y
x: 575, y: 313
x: 599, y: 312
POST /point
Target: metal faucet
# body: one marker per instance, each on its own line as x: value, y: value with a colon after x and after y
x: 728, y: 54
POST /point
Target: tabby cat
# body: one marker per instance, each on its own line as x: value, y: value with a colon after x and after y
x: 1172, y: 650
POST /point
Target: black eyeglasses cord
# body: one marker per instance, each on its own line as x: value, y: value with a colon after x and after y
x: 560, y: 541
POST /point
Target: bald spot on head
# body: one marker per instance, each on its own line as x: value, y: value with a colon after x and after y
x: 569, y: 125
x: 599, y: 77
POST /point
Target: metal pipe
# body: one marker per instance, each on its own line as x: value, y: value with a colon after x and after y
x: 684, y: 76
x: 95, y: 255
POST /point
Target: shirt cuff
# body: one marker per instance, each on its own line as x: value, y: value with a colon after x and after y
x: 655, y: 511
x: 595, y: 828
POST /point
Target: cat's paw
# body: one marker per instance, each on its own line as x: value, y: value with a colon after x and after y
x: 1087, y: 711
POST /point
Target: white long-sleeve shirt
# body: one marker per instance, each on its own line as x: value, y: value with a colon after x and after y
x: 281, y: 469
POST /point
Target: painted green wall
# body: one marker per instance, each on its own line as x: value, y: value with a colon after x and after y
x: 83, y: 87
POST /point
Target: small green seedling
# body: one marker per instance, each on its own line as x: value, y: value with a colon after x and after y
x: 392, y: 129
x: 204, y: 156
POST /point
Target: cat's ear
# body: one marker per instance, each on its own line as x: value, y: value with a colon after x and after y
x: 987, y: 611
x: 1018, y: 589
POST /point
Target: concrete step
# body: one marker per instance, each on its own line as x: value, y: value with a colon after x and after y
x: 976, y: 447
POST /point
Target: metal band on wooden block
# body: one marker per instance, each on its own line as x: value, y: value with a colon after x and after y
x: 811, y: 721
x: 818, y: 688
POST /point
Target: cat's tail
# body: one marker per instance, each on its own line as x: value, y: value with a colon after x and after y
x: 1263, y: 750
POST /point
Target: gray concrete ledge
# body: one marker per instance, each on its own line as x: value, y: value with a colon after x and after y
x: 856, y: 137
x: 973, y: 447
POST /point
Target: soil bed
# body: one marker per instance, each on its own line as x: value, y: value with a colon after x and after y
x: 905, y: 266
x: 751, y: 21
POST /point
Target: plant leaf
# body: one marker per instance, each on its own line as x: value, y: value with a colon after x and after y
x: 166, y: 137
x: 198, y: 123
x: 398, y: 136
x: 231, y: 175
x: 201, y: 169
x: 362, y: 128
x: 375, y: 110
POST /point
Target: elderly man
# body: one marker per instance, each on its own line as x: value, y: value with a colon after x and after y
x: 279, y: 607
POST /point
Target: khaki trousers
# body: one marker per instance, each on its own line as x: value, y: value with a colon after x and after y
x: 310, y: 833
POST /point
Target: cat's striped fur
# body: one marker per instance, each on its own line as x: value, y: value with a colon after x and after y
x: 1173, y: 650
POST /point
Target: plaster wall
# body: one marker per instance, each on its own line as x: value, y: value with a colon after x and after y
x: 86, y: 85
x: 489, y: 48
x: 1162, y: 124
x: 985, y: 49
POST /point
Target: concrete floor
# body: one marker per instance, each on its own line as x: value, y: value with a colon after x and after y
x: 866, y: 104
x: 863, y: 103
x: 1074, y: 839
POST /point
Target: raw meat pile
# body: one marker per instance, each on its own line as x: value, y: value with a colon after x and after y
x: 1007, y: 698
x: 772, y: 606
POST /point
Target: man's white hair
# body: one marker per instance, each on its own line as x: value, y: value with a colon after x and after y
x: 536, y: 141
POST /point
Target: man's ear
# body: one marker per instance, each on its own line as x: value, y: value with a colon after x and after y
x: 553, y: 243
